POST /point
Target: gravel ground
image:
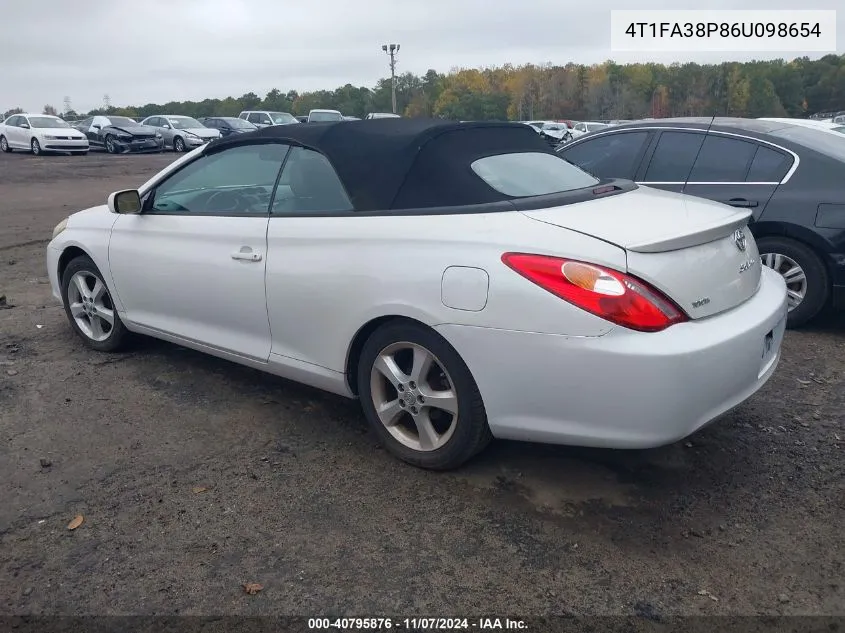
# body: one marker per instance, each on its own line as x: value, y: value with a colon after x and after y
x: 195, y: 476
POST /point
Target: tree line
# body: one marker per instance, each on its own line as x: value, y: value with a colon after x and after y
x: 796, y: 88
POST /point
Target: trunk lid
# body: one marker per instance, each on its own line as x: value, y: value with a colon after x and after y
x: 698, y: 252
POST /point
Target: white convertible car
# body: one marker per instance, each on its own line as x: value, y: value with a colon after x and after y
x: 461, y: 279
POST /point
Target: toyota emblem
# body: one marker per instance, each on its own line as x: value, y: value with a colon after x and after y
x: 739, y: 239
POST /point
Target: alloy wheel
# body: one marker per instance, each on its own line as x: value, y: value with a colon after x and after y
x: 179, y: 145
x: 4, y: 144
x: 414, y: 396
x: 91, y: 305
x: 793, y: 275
x: 36, y: 146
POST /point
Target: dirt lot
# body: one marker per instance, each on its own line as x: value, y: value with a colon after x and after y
x: 195, y: 475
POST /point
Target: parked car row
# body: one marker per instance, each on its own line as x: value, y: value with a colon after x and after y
x: 39, y: 133
x: 786, y: 172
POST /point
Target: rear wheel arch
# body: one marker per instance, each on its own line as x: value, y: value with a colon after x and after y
x: 353, y: 354
x: 797, y: 233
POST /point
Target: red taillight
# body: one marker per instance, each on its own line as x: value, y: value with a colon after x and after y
x: 607, y: 293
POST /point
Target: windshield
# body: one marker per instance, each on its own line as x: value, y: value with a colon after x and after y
x: 183, y: 122
x: 240, y: 124
x: 819, y: 140
x: 325, y: 116
x: 592, y: 127
x: 282, y: 118
x: 46, y: 121
x: 123, y: 121
x: 531, y: 174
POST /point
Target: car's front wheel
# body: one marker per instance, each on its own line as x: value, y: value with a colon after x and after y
x: 178, y: 145
x: 35, y: 146
x: 420, y: 398
x: 111, y: 146
x: 89, y: 306
x: 807, y: 280
x: 4, y: 145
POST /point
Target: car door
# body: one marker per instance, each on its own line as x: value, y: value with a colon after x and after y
x: 95, y: 133
x: 15, y: 133
x: 191, y: 265
x: 709, y: 165
x: 254, y: 118
x: 609, y: 155
x: 311, y: 233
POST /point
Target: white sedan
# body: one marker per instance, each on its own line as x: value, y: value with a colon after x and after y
x: 462, y: 280
x: 39, y: 133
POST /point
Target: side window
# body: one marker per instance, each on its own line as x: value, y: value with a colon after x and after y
x: 235, y: 181
x: 265, y: 120
x: 673, y: 157
x: 151, y: 121
x: 22, y: 120
x: 309, y: 184
x: 580, y: 127
x: 608, y: 156
x: 15, y: 121
x: 87, y: 122
x: 769, y: 165
x: 254, y: 117
x: 723, y: 159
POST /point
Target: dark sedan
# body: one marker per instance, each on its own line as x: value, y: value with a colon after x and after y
x: 790, y: 177
x: 227, y: 125
x: 120, y: 134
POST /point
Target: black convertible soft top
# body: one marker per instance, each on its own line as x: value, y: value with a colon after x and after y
x: 389, y: 164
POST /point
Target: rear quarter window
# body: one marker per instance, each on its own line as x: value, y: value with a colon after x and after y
x: 525, y: 174
x: 769, y: 165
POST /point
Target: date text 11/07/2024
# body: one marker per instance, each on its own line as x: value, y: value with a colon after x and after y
x: 724, y: 29
x: 417, y: 624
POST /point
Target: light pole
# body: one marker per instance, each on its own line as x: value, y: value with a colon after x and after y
x: 392, y: 49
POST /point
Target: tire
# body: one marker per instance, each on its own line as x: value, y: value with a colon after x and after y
x: 111, y: 148
x: 178, y: 145
x: 35, y: 147
x: 4, y: 145
x: 82, y: 310
x: 816, y: 285
x: 457, y: 437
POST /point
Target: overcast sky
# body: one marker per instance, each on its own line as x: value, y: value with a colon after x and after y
x: 146, y: 51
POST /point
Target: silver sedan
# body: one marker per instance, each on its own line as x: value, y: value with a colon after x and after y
x: 181, y: 133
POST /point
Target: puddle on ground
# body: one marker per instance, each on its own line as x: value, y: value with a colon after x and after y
x: 553, y: 484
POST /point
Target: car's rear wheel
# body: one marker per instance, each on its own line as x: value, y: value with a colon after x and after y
x: 111, y: 146
x: 420, y: 398
x: 178, y: 145
x: 89, y: 306
x: 807, y: 279
x: 35, y: 146
x: 4, y: 145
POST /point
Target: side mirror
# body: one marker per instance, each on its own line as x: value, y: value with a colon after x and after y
x: 127, y: 202
x: 25, y: 126
x: 97, y: 126
x: 166, y: 126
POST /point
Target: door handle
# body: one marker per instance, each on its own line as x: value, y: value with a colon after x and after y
x: 246, y: 254
x: 742, y: 202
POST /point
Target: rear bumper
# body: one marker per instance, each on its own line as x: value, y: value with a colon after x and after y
x: 624, y: 389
